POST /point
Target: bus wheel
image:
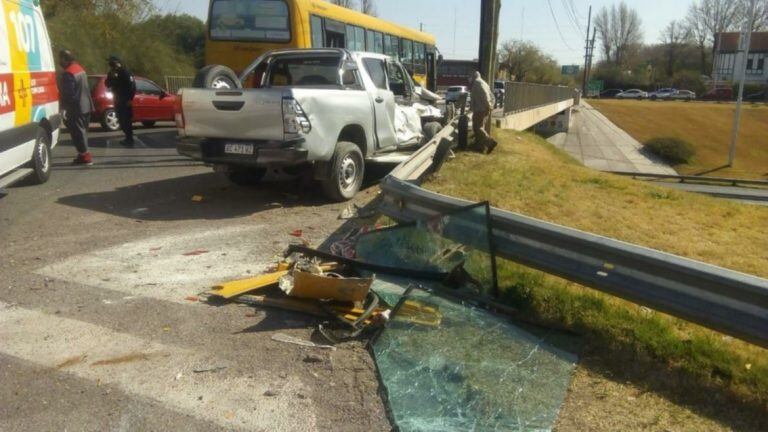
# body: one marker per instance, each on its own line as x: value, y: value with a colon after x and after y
x: 217, y: 77
x: 41, y: 159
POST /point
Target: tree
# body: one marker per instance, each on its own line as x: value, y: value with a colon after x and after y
x: 674, y: 37
x: 525, y: 62
x: 620, y: 32
x: 758, y: 18
x: 185, y: 32
x: 700, y: 34
x: 368, y: 7
x: 715, y: 16
x: 350, y: 4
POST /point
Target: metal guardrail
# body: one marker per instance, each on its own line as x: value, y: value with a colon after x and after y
x: 175, y: 83
x: 520, y: 97
x: 723, y: 300
x: 694, y: 179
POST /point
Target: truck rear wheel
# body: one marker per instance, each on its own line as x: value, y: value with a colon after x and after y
x: 347, y: 172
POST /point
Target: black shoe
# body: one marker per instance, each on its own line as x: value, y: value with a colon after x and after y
x: 491, y: 147
x: 127, y: 142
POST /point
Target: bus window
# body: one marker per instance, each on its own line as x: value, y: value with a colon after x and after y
x: 360, y: 38
x: 387, y: 44
x: 250, y: 20
x: 350, y: 37
x: 335, y: 34
x: 317, y: 31
x: 391, y: 46
x: 379, y: 47
x: 406, y: 53
x: 419, y: 59
x: 370, y: 41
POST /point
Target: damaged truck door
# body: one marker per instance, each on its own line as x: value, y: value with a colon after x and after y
x: 325, y: 110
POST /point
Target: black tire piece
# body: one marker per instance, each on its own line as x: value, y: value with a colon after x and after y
x: 105, y: 125
x: 431, y: 129
x: 347, y: 159
x: 246, y: 176
x: 41, y: 158
x: 208, y: 76
x: 149, y: 124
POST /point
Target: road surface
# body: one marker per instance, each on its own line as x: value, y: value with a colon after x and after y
x: 96, y: 329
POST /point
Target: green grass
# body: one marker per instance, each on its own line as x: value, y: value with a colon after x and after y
x: 707, y: 126
x: 528, y: 175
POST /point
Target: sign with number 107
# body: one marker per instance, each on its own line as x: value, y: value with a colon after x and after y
x: 24, y: 26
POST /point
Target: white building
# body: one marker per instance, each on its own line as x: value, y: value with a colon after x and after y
x: 729, y: 58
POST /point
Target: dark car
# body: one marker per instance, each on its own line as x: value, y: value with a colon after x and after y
x: 610, y: 93
x: 499, y: 90
x: 151, y: 104
x: 758, y: 97
x: 719, y: 94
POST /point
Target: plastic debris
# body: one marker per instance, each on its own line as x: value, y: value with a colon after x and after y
x: 280, y: 337
x: 297, y: 233
x: 197, y: 252
x: 197, y: 198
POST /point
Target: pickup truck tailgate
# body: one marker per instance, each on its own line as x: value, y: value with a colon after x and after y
x: 246, y: 114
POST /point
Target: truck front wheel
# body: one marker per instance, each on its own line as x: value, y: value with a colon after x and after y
x: 347, y: 172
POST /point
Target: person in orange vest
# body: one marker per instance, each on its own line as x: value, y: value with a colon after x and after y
x: 76, y: 103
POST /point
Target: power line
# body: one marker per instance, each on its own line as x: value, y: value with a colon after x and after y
x: 557, y: 25
x: 572, y: 18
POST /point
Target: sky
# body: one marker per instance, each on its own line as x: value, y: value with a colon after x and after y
x: 456, y: 23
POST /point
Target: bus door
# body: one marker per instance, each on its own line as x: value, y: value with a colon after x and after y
x: 431, y: 70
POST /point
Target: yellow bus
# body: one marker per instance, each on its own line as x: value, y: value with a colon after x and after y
x: 241, y: 30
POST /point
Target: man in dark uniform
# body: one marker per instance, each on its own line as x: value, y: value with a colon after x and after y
x: 76, y: 104
x: 123, y: 85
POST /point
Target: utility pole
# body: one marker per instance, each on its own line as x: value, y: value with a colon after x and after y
x: 489, y: 38
x: 745, y: 51
x: 591, y: 54
x: 587, y: 56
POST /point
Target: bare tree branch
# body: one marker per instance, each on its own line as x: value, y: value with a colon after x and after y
x: 368, y: 7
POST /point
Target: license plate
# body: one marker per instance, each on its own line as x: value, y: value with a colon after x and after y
x: 239, y: 149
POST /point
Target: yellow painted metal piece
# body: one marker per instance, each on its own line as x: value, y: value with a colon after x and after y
x: 229, y: 290
x: 311, y: 286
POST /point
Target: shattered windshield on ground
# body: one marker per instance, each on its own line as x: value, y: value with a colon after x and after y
x: 474, y: 371
x: 464, y: 369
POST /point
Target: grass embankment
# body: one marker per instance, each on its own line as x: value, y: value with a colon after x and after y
x: 707, y: 126
x: 529, y: 176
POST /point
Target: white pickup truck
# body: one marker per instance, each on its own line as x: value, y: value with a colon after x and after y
x: 326, y: 110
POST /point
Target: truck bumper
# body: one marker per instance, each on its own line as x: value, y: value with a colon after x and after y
x: 266, y: 153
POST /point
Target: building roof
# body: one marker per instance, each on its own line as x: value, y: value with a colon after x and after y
x: 729, y: 42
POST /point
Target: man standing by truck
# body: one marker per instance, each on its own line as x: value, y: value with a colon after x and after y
x: 482, y: 103
x: 123, y: 86
x: 77, y: 105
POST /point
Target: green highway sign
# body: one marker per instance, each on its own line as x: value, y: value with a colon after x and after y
x: 571, y: 70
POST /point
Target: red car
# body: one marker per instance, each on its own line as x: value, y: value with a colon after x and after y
x: 719, y: 94
x: 151, y: 104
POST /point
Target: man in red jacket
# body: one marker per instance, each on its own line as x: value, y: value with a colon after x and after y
x: 76, y: 104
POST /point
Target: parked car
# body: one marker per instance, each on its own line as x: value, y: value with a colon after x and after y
x: 663, y: 93
x: 632, y: 94
x: 758, y: 97
x: 719, y: 94
x: 684, y: 95
x: 29, y: 109
x: 323, y: 111
x: 610, y: 93
x: 453, y: 93
x: 151, y: 104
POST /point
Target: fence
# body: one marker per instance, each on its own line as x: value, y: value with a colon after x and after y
x: 175, y: 83
x: 524, y: 96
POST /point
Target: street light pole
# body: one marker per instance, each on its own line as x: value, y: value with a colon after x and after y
x: 739, y: 101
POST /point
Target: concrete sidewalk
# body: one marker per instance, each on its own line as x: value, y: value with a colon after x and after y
x: 599, y: 144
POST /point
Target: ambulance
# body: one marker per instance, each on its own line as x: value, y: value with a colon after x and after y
x: 29, y: 96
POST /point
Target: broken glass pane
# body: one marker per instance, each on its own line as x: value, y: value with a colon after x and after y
x: 439, y: 244
x: 473, y: 371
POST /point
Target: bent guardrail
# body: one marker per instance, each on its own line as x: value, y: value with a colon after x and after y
x: 723, y: 300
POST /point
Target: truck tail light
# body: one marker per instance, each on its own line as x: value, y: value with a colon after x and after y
x: 294, y: 119
x: 178, y: 108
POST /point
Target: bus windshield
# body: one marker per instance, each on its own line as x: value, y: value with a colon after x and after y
x: 250, y: 20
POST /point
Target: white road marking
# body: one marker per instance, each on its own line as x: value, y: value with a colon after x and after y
x: 155, y: 371
x: 158, y: 268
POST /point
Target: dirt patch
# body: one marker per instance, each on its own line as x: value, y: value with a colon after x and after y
x: 130, y: 358
x: 70, y: 362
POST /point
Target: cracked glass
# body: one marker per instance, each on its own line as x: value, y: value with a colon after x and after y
x: 470, y: 370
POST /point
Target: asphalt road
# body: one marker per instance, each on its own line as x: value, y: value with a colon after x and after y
x: 97, y: 333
